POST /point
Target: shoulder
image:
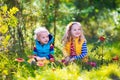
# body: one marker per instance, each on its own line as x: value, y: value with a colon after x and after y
x: 50, y: 36
x: 51, y: 39
x: 83, y: 41
x: 37, y: 42
x: 84, y: 44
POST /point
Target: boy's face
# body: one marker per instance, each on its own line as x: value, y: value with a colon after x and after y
x: 76, y: 30
x: 43, y: 37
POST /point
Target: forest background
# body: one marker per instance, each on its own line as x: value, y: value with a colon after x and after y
x: 99, y: 19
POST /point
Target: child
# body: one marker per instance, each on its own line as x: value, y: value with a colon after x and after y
x: 74, y: 43
x: 43, y: 45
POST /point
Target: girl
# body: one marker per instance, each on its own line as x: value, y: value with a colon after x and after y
x: 74, y: 43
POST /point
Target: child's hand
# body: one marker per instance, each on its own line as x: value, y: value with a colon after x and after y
x: 72, y: 59
x: 67, y: 59
x: 52, y: 60
x: 41, y: 58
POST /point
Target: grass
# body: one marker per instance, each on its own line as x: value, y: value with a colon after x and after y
x: 109, y: 70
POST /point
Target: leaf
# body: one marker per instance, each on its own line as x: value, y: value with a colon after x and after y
x: 4, y: 8
x: 3, y: 29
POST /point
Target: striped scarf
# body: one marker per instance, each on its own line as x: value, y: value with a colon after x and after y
x: 72, y: 49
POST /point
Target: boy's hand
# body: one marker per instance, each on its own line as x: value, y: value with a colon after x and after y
x: 52, y: 60
x: 41, y: 58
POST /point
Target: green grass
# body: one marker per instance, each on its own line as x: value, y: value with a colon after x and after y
x: 109, y: 70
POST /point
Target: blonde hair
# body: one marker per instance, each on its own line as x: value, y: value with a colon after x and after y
x: 67, y: 35
x: 39, y: 30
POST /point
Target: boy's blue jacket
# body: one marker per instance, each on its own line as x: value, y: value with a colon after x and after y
x: 44, y: 50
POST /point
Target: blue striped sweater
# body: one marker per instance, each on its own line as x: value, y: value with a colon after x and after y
x: 83, y: 52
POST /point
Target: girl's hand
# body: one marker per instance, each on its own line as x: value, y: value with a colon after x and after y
x: 67, y: 59
x: 72, y: 59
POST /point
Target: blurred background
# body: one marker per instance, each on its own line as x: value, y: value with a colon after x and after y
x: 19, y: 18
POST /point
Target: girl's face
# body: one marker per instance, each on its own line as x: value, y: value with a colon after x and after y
x: 43, y: 37
x: 75, y: 30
